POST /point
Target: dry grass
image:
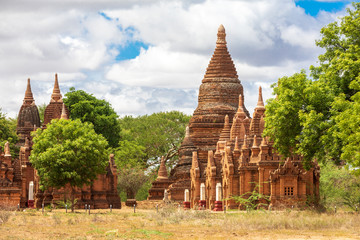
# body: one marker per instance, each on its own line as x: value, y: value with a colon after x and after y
x: 174, y: 223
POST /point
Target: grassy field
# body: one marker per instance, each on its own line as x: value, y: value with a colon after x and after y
x: 174, y: 223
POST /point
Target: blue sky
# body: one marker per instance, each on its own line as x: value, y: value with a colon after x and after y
x: 150, y: 56
x: 313, y: 7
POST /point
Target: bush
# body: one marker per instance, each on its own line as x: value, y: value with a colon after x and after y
x: 130, y: 180
x: 339, y: 187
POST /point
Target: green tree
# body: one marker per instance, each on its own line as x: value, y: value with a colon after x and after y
x: 318, y: 117
x: 130, y: 180
x: 68, y: 152
x: 42, y: 108
x: 88, y: 108
x: 8, y: 133
x: 252, y: 200
x: 128, y: 153
x: 339, y: 187
x: 159, y: 134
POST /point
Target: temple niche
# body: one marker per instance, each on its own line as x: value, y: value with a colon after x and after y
x: 19, y: 182
x: 224, y: 153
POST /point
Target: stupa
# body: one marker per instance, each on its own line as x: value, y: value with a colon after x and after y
x: 218, y: 97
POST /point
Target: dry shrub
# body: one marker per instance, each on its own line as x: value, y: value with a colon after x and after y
x: 4, y: 216
x: 57, y: 219
x: 174, y: 214
x: 294, y: 220
x: 5, y: 213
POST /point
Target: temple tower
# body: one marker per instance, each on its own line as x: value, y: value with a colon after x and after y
x: 218, y: 97
x: 28, y: 116
x: 55, y: 108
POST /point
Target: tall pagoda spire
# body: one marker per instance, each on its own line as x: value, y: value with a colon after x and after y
x: 260, y: 103
x: 221, y: 64
x: 64, y: 114
x: 56, y: 95
x: 225, y: 133
x: 241, y: 111
x: 28, y: 99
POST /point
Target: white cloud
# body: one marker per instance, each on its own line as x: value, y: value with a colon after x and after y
x: 160, y: 67
x: 267, y: 39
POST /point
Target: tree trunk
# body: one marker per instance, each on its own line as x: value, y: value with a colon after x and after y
x: 130, y: 194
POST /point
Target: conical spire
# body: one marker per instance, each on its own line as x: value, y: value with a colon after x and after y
x: 245, y: 145
x: 241, y: 111
x: 63, y: 113
x: 256, y: 143
x: 260, y: 103
x: 28, y: 99
x: 7, y: 150
x: 221, y: 64
x: 187, y: 139
x: 236, y: 147
x: 225, y: 133
x: 263, y: 142
x: 221, y: 35
x: 56, y: 95
x: 162, y: 173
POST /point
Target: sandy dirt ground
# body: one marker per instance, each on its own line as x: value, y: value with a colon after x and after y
x: 175, y: 223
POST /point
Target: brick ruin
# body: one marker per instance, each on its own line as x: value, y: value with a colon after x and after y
x: 19, y: 182
x: 224, y: 147
x: 160, y: 184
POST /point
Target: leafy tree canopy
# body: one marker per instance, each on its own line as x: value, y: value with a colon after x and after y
x: 68, y: 152
x: 319, y: 117
x: 8, y: 133
x: 88, y: 108
x: 158, y: 134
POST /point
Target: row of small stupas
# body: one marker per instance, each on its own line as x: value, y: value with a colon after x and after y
x: 19, y: 183
x: 224, y: 154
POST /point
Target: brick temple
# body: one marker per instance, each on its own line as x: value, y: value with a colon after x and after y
x: 19, y: 183
x: 224, y: 154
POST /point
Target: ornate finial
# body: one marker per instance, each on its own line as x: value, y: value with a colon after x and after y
x: 236, y: 148
x: 187, y: 132
x: 56, y: 95
x: 256, y: 142
x: 241, y: 112
x: 221, y: 35
x: 63, y: 113
x: 195, y: 162
x: 245, y: 145
x: 226, y: 120
x: 7, y: 150
x: 260, y: 103
x: 28, y: 94
x: 241, y: 101
x: 225, y: 133
x: 162, y: 173
x: 263, y: 142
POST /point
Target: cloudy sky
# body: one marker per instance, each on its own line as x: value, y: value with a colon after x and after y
x: 146, y: 56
